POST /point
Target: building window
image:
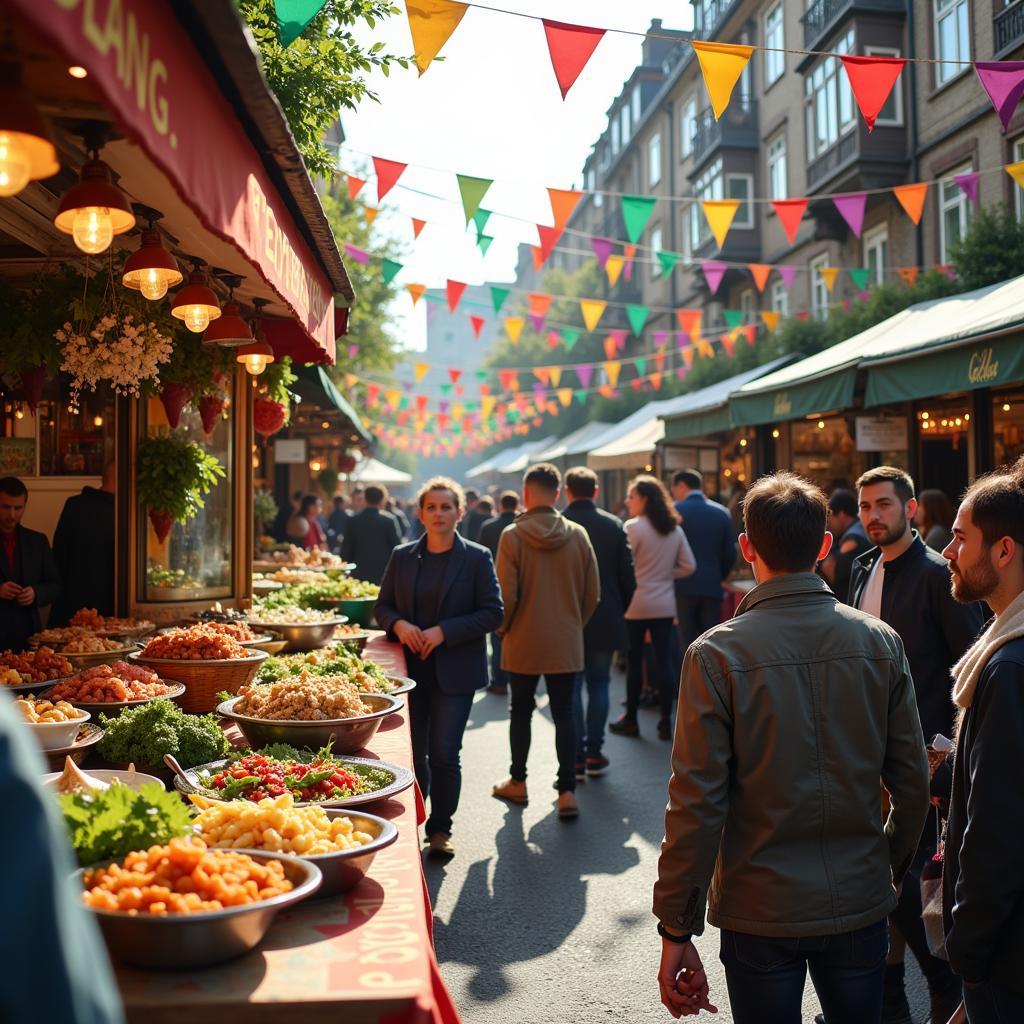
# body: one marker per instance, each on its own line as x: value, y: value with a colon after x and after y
x: 892, y: 112
x: 777, y: 179
x: 955, y: 208
x: 779, y: 297
x: 774, y: 41
x: 876, y: 253
x: 656, y: 248
x: 654, y: 159
x: 819, y: 293
x: 615, y: 136
x: 952, y: 39
x: 748, y: 306
x: 830, y: 110
x: 688, y: 128
x: 1018, y: 192
x: 741, y: 187
x: 709, y: 185
x: 624, y: 118
x: 636, y: 104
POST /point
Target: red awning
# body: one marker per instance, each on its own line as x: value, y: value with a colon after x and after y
x: 168, y: 103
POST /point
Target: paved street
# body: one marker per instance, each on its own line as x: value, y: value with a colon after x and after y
x: 549, y: 921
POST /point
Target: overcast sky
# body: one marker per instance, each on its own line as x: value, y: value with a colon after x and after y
x: 491, y: 109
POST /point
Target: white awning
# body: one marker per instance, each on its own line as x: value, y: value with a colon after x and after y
x: 371, y: 471
x: 632, y: 450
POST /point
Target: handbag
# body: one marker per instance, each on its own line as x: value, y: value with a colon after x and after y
x: 931, y: 899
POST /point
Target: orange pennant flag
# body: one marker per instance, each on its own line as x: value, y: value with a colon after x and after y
x: 829, y: 275
x: 416, y: 291
x: 431, y: 23
x: 719, y: 214
x: 612, y: 369
x: 911, y: 198
x: 656, y: 380
x: 613, y: 268
x: 760, y: 272
x: 539, y: 303
x: 592, y: 309
x: 908, y: 275
x: 555, y: 373
x: 688, y: 355
x: 771, y: 318
x: 394, y: 396
x: 514, y: 327
x: 541, y: 373
x: 422, y: 369
x: 610, y: 347
x: 563, y: 203
x: 722, y: 64
x: 417, y: 226
x: 565, y: 397
x: 355, y: 185
x: 689, y: 322
x: 370, y: 213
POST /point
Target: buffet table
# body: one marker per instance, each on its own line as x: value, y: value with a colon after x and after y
x: 366, y: 956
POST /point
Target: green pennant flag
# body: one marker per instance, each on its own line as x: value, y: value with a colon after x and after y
x: 482, y: 375
x: 512, y: 415
x: 446, y: 389
x: 860, y: 277
x: 293, y: 16
x: 668, y: 261
x: 480, y: 219
x: 637, y: 316
x: 390, y: 268
x: 472, y: 191
x: 498, y: 297
x: 641, y: 366
x: 733, y: 317
x: 403, y: 402
x: 484, y: 243
x: 456, y: 428
x: 569, y: 337
x: 580, y: 394
x: 636, y: 212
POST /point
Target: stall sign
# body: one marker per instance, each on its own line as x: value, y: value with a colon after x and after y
x: 882, y: 434
x: 17, y: 456
x: 290, y: 450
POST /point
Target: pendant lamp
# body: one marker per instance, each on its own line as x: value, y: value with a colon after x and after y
x: 229, y: 330
x: 95, y: 209
x: 196, y: 304
x: 256, y: 356
x: 27, y: 152
x: 151, y: 269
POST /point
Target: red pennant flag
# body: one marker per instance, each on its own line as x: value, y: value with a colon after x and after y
x: 372, y: 393
x: 729, y: 344
x: 540, y: 303
x: 388, y: 172
x: 801, y: 315
x: 872, y: 79
x: 570, y: 47
x: 478, y: 325
x: 455, y: 375
x: 355, y: 185
x: 417, y: 226
x: 908, y: 275
x: 760, y: 272
x: 749, y: 332
x: 421, y: 403
x: 790, y: 213
x: 455, y: 290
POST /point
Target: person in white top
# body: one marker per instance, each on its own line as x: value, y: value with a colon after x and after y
x: 661, y: 555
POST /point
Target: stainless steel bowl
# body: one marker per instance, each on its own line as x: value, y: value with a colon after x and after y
x: 305, y: 636
x: 180, y: 941
x: 354, y: 641
x: 349, y: 735
x: 346, y: 869
x: 405, y: 684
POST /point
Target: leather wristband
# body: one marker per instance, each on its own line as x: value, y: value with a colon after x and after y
x: 666, y: 934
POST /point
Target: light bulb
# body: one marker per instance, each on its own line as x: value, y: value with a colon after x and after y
x: 15, y: 165
x: 255, y: 364
x: 92, y: 229
x: 197, y: 319
x: 97, y: 421
x: 152, y: 285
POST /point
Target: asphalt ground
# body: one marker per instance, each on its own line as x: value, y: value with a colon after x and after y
x: 548, y: 921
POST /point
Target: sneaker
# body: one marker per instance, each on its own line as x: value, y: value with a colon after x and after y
x: 624, y: 726
x: 511, y: 790
x: 597, y: 765
x: 501, y: 691
x: 440, y: 845
x: 567, y: 806
x: 581, y: 771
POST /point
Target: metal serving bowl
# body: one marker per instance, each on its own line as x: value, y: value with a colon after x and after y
x: 180, y: 941
x: 349, y: 735
x: 114, y: 707
x: 346, y: 869
x: 305, y: 636
x: 354, y: 641
x: 405, y: 684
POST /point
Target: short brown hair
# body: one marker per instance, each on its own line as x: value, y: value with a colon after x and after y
x: 581, y: 482
x: 784, y: 519
x: 544, y: 476
x: 996, y: 503
x: 509, y: 501
x: 442, y: 483
x: 902, y: 482
x: 376, y: 494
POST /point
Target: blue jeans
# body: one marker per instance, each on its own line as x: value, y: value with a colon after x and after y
x: 766, y: 976
x: 597, y: 674
x: 992, y: 1004
x: 437, y: 721
x: 499, y: 677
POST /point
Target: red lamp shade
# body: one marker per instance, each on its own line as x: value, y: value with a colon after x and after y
x: 27, y: 152
x: 229, y: 329
x: 255, y: 357
x: 94, y: 210
x: 196, y: 304
x: 151, y: 269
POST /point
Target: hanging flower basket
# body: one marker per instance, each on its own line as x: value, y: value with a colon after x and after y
x: 174, y: 396
x: 268, y: 417
x: 347, y: 462
x: 210, y: 409
x: 33, y: 380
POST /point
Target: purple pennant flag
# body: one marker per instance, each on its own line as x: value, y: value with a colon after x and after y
x: 359, y: 255
x: 681, y: 372
x: 539, y: 391
x: 602, y: 250
x: 584, y: 371
x: 851, y: 206
x: 787, y: 273
x: 537, y: 320
x: 1003, y: 80
x: 863, y: 296
x: 619, y: 337
x: 443, y: 406
x: 682, y: 338
x: 968, y: 184
x: 408, y: 385
x: 714, y: 271
x: 660, y: 338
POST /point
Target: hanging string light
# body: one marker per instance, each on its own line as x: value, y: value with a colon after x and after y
x: 95, y: 209
x: 27, y: 152
x: 151, y: 269
x: 196, y: 304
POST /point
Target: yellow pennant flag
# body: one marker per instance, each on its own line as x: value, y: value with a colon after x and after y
x: 1016, y: 171
x: 422, y: 369
x: 370, y: 212
x: 487, y: 406
x: 431, y: 23
x: 565, y: 397
x: 722, y: 65
x: 351, y: 380
x: 612, y: 370
x: 705, y: 349
x: 720, y: 213
x: 829, y: 275
x: 514, y: 327
x: 771, y: 318
x: 555, y: 374
x: 613, y: 267
x: 592, y: 310
x: 394, y: 396
x: 457, y: 410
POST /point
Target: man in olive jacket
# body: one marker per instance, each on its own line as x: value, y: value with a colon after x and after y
x: 789, y: 714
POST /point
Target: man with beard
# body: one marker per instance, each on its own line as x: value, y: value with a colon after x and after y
x: 983, y: 870
x: 907, y: 586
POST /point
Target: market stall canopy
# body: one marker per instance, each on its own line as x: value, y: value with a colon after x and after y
x: 315, y: 387
x: 631, y: 428
x: 573, y: 443
x: 524, y: 457
x: 203, y: 140
x: 370, y: 471
x: 706, y: 411
x: 481, y: 468
x: 632, y: 450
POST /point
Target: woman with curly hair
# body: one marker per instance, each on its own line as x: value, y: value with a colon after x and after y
x: 661, y: 555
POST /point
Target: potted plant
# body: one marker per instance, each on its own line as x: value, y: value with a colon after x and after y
x: 173, y: 474
x: 264, y: 511
x: 328, y: 480
x: 197, y: 375
x: 270, y: 409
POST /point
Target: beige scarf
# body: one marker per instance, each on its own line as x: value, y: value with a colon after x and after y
x: 967, y: 671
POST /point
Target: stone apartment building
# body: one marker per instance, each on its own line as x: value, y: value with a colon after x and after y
x: 793, y: 129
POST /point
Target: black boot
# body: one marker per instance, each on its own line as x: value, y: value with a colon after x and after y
x: 944, y: 997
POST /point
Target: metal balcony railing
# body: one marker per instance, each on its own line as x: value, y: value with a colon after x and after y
x: 737, y: 128
x: 1008, y: 28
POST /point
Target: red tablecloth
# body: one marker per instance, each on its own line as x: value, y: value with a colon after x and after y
x: 366, y: 956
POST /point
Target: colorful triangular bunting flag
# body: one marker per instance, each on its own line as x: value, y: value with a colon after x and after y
x: 592, y: 310
x: 790, y: 213
x: 431, y: 23
x: 636, y: 212
x: 355, y: 185
x: 1003, y: 80
x: 454, y: 290
x: 388, y: 172
x: 637, y: 316
x: 720, y: 214
x: 760, y: 272
x: 498, y: 297
x: 613, y: 268
x: 852, y: 207
x: 668, y: 260
x: 871, y: 79
x: 911, y: 198
x: 472, y: 190
x: 390, y: 269
x: 570, y: 47
x: 722, y: 64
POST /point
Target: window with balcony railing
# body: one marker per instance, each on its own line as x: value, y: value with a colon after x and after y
x: 829, y: 101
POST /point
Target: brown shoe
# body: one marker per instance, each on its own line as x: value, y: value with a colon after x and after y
x: 511, y: 790
x: 440, y: 845
x: 567, y: 806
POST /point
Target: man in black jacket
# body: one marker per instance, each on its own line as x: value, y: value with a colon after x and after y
x: 471, y: 522
x: 983, y: 870
x: 28, y: 577
x: 371, y: 536
x: 907, y: 586
x: 490, y: 534
x: 605, y: 632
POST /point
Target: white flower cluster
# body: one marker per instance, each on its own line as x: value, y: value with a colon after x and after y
x: 118, y: 350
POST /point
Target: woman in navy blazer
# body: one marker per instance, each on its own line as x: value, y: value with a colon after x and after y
x: 439, y: 598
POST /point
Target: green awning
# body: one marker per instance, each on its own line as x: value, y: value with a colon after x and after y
x: 796, y: 400
x: 941, y: 370
x: 700, y: 424
x: 315, y: 386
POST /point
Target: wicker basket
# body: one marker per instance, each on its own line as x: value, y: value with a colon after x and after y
x: 204, y: 679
